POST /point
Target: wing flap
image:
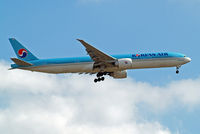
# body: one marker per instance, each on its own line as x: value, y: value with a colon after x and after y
x: 21, y: 62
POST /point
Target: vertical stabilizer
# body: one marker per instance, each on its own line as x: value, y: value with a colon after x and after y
x: 22, y: 52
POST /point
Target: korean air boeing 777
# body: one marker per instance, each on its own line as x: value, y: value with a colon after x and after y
x: 98, y: 63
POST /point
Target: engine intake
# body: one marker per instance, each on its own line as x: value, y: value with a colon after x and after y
x: 125, y: 63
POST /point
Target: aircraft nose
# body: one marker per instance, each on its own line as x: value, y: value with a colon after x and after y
x: 187, y: 59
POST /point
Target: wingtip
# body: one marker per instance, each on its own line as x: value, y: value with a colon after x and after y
x: 13, y: 58
x: 79, y: 39
x: 12, y: 39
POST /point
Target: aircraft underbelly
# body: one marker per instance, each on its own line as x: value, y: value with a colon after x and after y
x: 156, y: 63
x: 64, y: 68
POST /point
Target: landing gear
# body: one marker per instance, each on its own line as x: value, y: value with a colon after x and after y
x: 177, y: 70
x: 99, y: 74
x: 99, y: 77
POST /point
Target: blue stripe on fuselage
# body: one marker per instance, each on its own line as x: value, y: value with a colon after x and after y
x: 41, y: 62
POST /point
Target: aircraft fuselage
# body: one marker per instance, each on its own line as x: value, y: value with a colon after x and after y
x: 85, y: 64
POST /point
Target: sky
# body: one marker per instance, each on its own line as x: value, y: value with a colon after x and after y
x: 148, y: 101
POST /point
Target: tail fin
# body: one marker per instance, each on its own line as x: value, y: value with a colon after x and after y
x: 21, y: 52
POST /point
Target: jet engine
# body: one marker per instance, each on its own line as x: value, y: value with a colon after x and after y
x: 125, y: 63
x: 119, y: 74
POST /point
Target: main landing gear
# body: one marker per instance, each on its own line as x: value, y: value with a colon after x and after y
x: 177, y: 70
x: 100, y: 77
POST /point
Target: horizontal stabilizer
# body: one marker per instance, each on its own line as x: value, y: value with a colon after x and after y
x: 21, y: 62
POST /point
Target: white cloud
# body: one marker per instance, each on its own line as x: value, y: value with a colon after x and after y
x: 42, y: 103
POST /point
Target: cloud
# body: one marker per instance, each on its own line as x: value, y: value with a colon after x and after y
x: 43, y: 103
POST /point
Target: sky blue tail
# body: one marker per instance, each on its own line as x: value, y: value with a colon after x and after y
x: 21, y: 52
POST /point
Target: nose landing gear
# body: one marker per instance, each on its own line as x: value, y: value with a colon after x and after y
x: 177, y: 70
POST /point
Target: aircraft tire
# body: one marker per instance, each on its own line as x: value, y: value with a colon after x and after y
x: 177, y: 72
x: 95, y: 80
x: 99, y: 74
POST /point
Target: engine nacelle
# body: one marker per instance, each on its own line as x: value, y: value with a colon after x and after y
x: 125, y: 63
x: 119, y: 74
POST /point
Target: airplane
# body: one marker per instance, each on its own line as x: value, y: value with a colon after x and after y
x: 97, y: 62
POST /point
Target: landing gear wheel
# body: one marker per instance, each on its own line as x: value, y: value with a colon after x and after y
x: 177, y: 71
x: 99, y: 79
x: 99, y: 75
x: 95, y: 80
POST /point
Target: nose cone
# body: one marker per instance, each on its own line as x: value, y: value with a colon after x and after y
x: 187, y: 59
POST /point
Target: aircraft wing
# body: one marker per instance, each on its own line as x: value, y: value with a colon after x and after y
x: 97, y: 56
